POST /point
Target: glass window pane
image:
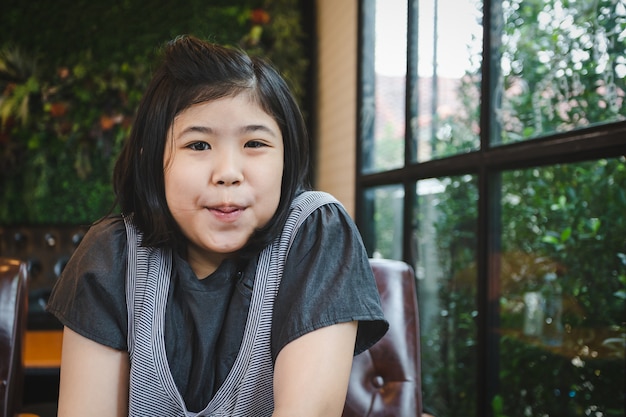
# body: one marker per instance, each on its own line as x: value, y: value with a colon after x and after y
x: 563, y: 290
x: 387, y: 151
x: 446, y: 213
x: 562, y: 67
x: 446, y: 93
x: 383, y: 233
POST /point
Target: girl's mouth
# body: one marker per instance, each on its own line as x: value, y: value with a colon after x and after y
x: 226, y: 213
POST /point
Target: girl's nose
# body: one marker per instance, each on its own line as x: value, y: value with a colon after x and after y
x: 227, y: 170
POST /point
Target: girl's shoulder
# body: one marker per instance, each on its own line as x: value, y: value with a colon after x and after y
x: 309, y: 205
x: 89, y: 296
x: 105, y: 238
x: 313, y: 199
x: 109, y: 224
x: 320, y: 206
x: 113, y: 224
x: 327, y: 231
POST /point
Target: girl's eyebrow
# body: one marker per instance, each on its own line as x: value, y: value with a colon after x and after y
x: 191, y: 129
x: 257, y: 128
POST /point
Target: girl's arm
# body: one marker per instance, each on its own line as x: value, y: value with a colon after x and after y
x: 312, y: 372
x: 94, y: 378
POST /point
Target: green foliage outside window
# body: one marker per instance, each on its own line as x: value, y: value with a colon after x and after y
x: 565, y: 219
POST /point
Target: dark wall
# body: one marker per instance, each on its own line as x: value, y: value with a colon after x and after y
x: 59, y: 31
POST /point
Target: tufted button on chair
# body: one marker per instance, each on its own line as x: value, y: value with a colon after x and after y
x: 13, y: 306
x: 386, y: 379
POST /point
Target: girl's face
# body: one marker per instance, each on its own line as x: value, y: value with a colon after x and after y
x: 223, y: 168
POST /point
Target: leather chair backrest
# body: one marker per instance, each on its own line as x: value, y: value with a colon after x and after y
x: 386, y: 379
x: 13, y: 310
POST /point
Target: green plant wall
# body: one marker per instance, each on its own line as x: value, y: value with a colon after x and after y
x: 72, y: 74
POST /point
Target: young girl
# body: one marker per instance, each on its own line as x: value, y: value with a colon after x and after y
x: 225, y: 288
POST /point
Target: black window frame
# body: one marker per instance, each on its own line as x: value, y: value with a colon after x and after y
x: 487, y: 163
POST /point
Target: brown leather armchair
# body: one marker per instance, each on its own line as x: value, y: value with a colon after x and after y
x: 13, y: 306
x: 386, y: 379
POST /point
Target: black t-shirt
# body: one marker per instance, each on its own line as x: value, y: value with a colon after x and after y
x: 327, y: 280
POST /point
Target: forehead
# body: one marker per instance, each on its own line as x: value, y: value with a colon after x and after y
x: 236, y: 107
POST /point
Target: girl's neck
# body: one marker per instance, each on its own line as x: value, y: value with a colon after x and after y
x: 202, y: 263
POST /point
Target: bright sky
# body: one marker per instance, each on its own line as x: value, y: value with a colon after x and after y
x: 455, y: 31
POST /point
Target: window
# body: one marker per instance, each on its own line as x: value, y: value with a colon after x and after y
x: 491, y: 158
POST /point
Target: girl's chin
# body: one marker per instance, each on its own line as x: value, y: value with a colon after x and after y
x: 224, y: 250
x: 220, y: 244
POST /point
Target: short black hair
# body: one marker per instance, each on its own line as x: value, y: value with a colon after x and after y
x: 195, y: 71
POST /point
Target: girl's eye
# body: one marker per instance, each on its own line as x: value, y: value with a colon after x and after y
x: 255, y: 144
x: 199, y: 146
